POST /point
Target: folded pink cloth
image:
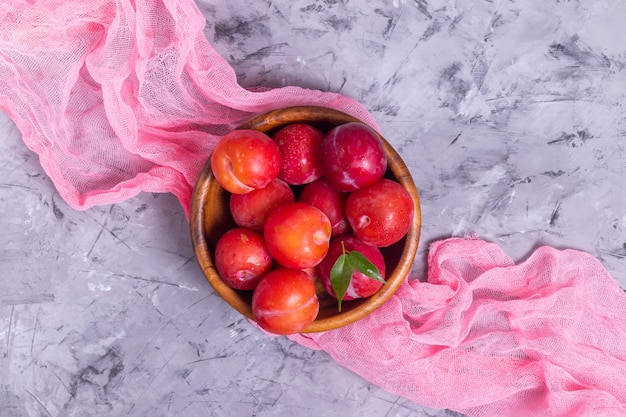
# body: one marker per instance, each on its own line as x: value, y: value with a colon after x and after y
x: 490, y: 338
x: 119, y: 97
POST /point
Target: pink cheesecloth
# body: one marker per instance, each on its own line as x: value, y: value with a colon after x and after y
x: 119, y: 97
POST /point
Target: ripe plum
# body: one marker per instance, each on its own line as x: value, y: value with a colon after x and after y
x: 251, y: 209
x: 244, y: 160
x: 380, y: 214
x: 332, y: 202
x: 352, y: 157
x: 285, y: 301
x: 360, y: 285
x: 241, y: 258
x: 299, y: 145
x: 297, y: 235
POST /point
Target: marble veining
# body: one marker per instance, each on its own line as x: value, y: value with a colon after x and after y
x: 509, y: 113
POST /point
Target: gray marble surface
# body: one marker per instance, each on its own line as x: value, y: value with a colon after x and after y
x: 510, y: 115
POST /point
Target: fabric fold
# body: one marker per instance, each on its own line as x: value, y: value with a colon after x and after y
x: 120, y: 97
x: 495, y: 338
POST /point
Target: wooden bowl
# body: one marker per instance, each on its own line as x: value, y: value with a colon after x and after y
x: 210, y: 218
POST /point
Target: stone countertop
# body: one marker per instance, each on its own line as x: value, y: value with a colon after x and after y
x: 509, y: 114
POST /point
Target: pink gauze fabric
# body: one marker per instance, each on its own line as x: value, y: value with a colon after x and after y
x: 119, y: 97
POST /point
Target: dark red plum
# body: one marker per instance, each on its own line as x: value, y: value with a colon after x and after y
x: 299, y: 145
x: 332, y: 202
x: 251, y: 209
x: 360, y: 285
x: 242, y: 259
x: 380, y: 214
x: 352, y: 157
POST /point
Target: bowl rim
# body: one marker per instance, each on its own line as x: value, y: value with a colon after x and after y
x: 266, y: 122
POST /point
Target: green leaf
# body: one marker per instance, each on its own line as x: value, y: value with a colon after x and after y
x: 340, y: 276
x: 359, y: 262
x: 344, y: 267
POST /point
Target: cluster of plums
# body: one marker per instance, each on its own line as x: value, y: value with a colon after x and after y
x: 307, y: 204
